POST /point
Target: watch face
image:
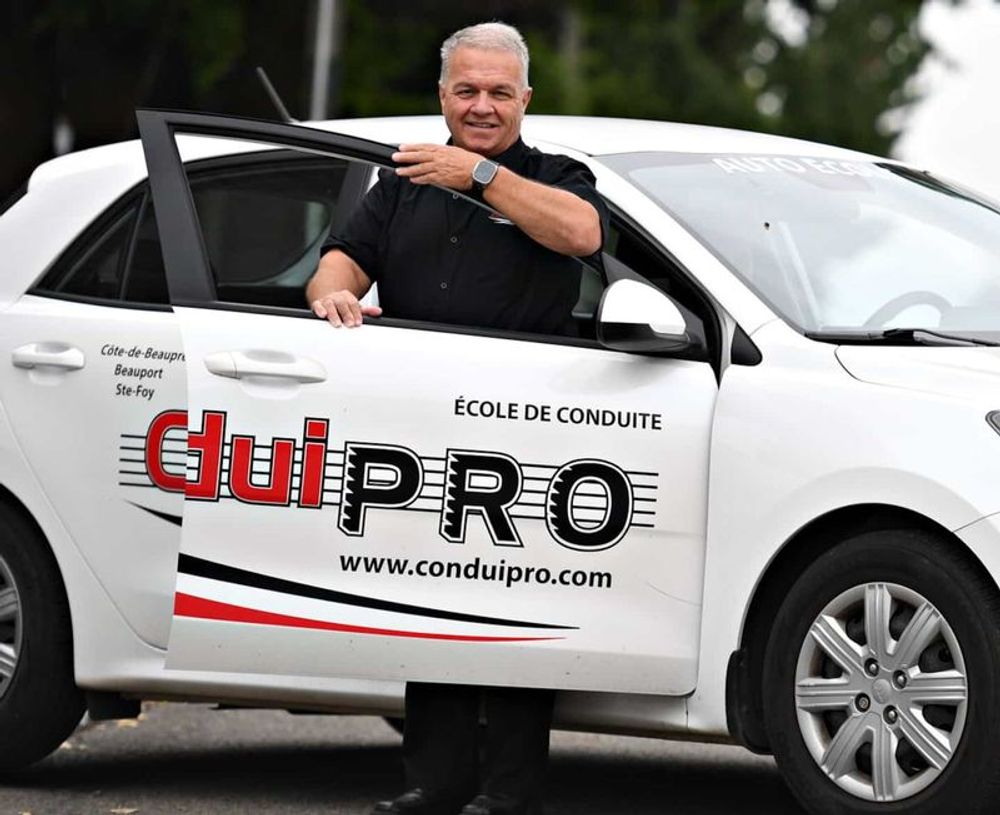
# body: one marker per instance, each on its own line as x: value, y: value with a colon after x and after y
x: 484, y: 171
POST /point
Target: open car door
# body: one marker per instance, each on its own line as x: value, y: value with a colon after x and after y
x: 414, y: 501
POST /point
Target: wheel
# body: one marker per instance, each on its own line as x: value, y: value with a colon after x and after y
x: 880, y: 680
x: 39, y: 701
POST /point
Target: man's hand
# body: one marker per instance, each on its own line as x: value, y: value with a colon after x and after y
x: 333, y: 292
x: 440, y: 164
x: 342, y: 308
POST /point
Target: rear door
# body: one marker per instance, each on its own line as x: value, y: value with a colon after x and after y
x: 419, y: 501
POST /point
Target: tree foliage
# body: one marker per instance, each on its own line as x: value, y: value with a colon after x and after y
x: 821, y: 69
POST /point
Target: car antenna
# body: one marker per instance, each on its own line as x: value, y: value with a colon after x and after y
x: 283, y: 113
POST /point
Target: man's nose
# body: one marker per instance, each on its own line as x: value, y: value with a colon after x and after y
x: 482, y: 104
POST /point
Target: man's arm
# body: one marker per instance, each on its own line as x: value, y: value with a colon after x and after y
x: 557, y: 219
x: 334, y: 290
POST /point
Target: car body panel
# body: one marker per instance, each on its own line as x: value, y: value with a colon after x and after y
x: 379, y: 393
x: 963, y: 373
x: 73, y: 424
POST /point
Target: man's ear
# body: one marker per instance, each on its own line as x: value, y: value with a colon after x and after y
x: 525, y: 98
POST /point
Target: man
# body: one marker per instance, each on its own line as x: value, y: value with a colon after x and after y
x: 440, y: 258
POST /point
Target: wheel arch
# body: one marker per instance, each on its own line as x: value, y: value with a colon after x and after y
x: 744, y: 698
x: 9, y: 502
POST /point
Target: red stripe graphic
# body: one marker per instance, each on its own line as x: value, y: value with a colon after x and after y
x: 187, y: 605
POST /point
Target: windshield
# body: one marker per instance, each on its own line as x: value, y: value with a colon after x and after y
x: 837, y: 246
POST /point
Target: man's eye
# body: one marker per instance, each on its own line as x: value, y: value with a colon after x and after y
x: 503, y: 96
x: 465, y: 93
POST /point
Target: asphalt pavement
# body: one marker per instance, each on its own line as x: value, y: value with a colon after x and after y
x: 194, y: 759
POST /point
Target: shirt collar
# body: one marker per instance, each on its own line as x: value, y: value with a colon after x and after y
x: 513, y: 156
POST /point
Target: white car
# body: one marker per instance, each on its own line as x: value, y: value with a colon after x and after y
x: 758, y: 499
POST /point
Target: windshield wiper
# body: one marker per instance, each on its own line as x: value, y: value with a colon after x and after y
x: 898, y: 336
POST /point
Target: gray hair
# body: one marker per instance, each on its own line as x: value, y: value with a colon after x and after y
x: 489, y: 37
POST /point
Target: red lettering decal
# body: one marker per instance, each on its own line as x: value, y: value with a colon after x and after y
x: 313, y: 463
x: 153, y: 454
x: 208, y: 444
x: 279, y: 487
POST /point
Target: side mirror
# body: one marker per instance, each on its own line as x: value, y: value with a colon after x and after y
x: 634, y: 316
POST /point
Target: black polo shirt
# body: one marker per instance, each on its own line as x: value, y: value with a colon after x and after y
x: 440, y: 258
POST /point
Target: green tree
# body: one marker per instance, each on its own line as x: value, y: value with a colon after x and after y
x: 831, y: 75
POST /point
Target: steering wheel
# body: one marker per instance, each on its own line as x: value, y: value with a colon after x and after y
x: 904, y: 301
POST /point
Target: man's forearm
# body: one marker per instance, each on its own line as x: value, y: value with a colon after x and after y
x: 337, y: 272
x: 557, y: 219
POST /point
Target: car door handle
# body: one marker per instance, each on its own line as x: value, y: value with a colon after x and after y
x: 240, y: 364
x: 51, y: 354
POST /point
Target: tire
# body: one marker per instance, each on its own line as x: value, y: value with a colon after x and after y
x: 904, y: 718
x: 40, y: 704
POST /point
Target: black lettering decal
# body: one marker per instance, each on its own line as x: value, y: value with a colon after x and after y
x: 487, y: 484
x: 362, y: 489
x: 586, y: 487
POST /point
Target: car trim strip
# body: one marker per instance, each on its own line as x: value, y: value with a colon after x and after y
x: 187, y: 605
x: 199, y: 567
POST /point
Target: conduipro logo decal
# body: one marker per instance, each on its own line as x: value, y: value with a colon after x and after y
x: 586, y: 504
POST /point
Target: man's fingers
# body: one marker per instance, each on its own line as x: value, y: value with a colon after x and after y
x: 355, y: 311
x: 371, y: 311
x: 333, y: 314
x: 345, y: 313
x: 416, y: 169
x: 412, y: 156
x: 339, y: 309
x: 423, y: 148
x: 418, y: 173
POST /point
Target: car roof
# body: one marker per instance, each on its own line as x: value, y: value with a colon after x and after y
x: 598, y: 136
x: 577, y: 134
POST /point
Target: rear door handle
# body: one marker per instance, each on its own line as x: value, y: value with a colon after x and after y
x: 278, y: 364
x: 51, y: 354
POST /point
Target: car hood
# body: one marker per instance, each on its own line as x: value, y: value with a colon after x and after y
x: 972, y: 373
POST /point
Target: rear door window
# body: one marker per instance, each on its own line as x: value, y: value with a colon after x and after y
x: 264, y: 218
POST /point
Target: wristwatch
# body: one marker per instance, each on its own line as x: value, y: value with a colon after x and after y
x: 483, y: 173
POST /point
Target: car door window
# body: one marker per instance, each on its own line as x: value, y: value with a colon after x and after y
x: 263, y: 218
x: 93, y: 266
x: 263, y: 224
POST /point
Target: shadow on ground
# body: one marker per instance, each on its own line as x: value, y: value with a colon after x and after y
x: 191, y: 759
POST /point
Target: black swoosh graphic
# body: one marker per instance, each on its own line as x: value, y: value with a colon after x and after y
x: 174, y: 519
x: 198, y: 567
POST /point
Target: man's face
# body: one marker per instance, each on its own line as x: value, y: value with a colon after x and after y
x: 483, y: 99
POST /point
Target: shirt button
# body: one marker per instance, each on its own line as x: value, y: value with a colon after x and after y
x: 453, y: 239
x: 444, y: 285
x: 454, y: 196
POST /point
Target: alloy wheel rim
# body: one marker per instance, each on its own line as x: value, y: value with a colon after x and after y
x: 881, y: 692
x: 10, y: 627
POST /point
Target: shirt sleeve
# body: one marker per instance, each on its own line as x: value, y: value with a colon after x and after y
x: 361, y: 238
x: 575, y: 177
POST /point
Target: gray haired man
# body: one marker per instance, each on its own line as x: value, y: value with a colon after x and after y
x: 515, y: 279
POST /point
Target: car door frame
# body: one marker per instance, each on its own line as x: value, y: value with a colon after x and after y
x: 185, y: 256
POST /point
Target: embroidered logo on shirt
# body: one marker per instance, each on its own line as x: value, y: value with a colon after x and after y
x: 497, y: 218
